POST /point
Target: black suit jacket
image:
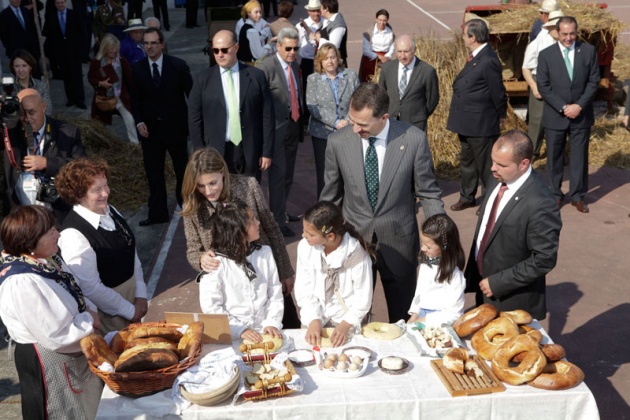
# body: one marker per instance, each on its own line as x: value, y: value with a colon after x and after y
x: 557, y: 89
x: 207, y: 118
x: 421, y: 96
x: 479, y: 100
x: 14, y: 36
x: 66, y: 45
x: 65, y: 144
x: 521, y: 250
x: 150, y: 104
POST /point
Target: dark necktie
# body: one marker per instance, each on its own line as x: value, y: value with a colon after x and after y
x: 371, y: 173
x: 492, y: 218
x: 156, y: 75
x: 469, y: 58
x: 62, y: 22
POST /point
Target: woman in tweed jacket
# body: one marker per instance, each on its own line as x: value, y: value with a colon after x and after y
x: 207, y: 183
x: 328, y: 93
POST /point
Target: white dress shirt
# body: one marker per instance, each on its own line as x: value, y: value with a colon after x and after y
x: 446, y: 298
x: 307, y: 48
x: 382, y: 41
x: 380, y: 145
x: 159, y: 62
x: 336, y: 36
x: 237, y: 90
x: 252, y: 304
x: 354, y: 286
x: 39, y: 310
x: 571, y: 53
x: 81, y: 258
x: 27, y: 184
x: 542, y: 41
x: 478, y: 49
x: 285, y: 69
x: 409, y: 66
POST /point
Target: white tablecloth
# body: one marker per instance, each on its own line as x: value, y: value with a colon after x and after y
x: 416, y: 394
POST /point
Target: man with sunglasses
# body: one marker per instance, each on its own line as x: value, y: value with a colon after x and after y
x: 283, y: 75
x: 230, y: 108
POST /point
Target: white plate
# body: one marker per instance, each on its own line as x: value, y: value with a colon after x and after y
x: 347, y: 374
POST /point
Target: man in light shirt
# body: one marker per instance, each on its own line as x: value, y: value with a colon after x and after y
x: 335, y: 29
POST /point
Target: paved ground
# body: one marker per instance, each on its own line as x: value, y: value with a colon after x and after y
x: 587, y: 293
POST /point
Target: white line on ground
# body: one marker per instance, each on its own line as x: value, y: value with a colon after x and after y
x: 429, y: 14
x: 159, y: 262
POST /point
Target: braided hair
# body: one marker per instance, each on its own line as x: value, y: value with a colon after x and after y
x: 443, y: 231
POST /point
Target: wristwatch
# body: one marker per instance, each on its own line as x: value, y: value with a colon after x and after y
x: 564, y: 107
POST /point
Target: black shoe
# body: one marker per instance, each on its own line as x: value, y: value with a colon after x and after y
x: 69, y: 104
x: 291, y: 218
x: 81, y: 106
x: 149, y: 222
x: 286, y: 231
x: 167, y: 28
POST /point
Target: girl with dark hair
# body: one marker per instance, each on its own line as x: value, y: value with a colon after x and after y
x: 333, y: 286
x: 439, y: 296
x: 245, y: 286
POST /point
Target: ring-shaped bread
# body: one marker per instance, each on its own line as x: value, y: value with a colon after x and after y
x: 487, y: 340
x: 558, y: 375
x: 532, y: 365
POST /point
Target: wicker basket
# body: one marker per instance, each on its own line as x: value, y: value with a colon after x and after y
x: 220, y: 394
x: 276, y: 391
x: 139, y: 384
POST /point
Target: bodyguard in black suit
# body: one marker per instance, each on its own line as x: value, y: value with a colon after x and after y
x: 65, y: 48
x: 18, y: 34
x: 477, y: 107
x: 208, y: 110
x: 159, y: 89
x: 507, y: 266
x: 568, y: 75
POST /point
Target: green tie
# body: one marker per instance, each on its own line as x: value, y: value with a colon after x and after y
x: 233, y: 112
x: 567, y: 63
x: 371, y: 173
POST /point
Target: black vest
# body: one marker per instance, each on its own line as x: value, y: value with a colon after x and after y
x: 244, y: 53
x: 115, y: 250
x: 339, y: 22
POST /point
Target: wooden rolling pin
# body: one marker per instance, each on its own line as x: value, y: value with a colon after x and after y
x: 278, y: 380
x: 266, y: 345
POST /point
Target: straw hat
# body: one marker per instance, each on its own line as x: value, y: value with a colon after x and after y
x: 553, y: 18
x: 549, y: 6
x: 135, y: 25
x: 313, y: 5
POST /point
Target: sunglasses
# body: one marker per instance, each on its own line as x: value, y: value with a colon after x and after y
x: 222, y: 50
x: 288, y: 49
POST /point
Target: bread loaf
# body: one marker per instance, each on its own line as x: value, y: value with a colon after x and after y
x: 141, y: 359
x: 96, y: 350
x: 119, y: 341
x: 165, y: 332
x: 143, y: 341
x: 191, y: 341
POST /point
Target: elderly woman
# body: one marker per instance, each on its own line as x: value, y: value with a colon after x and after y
x: 47, y: 315
x: 22, y: 64
x: 251, y: 40
x: 207, y: 183
x: 110, y: 75
x: 99, y: 247
x: 328, y: 93
x: 378, y: 46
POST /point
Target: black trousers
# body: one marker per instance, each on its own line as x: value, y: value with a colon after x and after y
x: 160, y: 8
x: 290, y: 318
x: 32, y: 386
x: 161, y: 140
x: 72, y: 74
x: 475, y: 163
x: 319, y: 152
x: 282, y: 168
x: 191, y: 13
x: 578, y: 161
x: 272, y: 3
x: 134, y: 9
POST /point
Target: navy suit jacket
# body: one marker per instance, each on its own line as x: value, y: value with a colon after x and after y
x: 557, y: 89
x: 14, y: 36
x: 479, y: 101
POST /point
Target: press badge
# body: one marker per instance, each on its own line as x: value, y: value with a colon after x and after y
x: 29, y: 182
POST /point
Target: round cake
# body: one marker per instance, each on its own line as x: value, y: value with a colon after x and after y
x: 382, y: 331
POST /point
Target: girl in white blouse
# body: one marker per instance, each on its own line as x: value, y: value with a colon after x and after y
x: 333, y: 285
x: 439, y: 294
x: 245, y: 286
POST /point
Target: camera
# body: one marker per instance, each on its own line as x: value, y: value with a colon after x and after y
x: 9, y: 105
x: 47, y: 191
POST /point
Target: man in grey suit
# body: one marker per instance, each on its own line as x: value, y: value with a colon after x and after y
x: 412, y: 85
x: 283, y: 75
x: 370, y: 168
x: 518, y: 232
x: 568, y: 76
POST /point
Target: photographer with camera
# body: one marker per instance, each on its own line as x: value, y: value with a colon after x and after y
x: 35, y: 150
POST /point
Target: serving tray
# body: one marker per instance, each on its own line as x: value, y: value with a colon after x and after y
x: 461, y: 385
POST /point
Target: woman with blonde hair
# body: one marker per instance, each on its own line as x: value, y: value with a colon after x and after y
x: 208, y: 183
x: 110, y: 75
x: 251, y: 39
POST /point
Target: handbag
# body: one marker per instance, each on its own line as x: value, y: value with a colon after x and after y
x: 105, y: 103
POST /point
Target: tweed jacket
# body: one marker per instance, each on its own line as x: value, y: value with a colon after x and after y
x: 247, y: 189
x: 320, y: 101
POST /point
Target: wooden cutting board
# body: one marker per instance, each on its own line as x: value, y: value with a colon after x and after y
x: 461, y: 385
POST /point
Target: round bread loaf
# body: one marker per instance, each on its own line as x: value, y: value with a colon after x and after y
x: 519, y: 316
x: 95, y: 349
x: 474, y: 320
x: 149, y: 340
x: 558, y: 375
x: 141, y: 359
x: 381, y: 331
x: 171, y: 334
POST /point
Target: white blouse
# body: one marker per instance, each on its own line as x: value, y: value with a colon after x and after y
x: 382, y: 41
x: 81, y: 258
x: 39, y: 310
x: 252, y: 304
x: 355, y: 284
x: 447, y: 298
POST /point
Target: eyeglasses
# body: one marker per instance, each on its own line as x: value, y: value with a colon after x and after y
x: 288, y: 49
x: 222, y: 50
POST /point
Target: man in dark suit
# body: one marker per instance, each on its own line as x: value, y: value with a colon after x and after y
x: 412, y: 85
x: 159, y: 89
x: 64, y: 47
x: 518, y: 232
x: 478, y: 105
x: 18, y: 31
x: 40, y: 146
x: 568, y: 75
x: 252, y: 118
x: 283, y: 75
x: 370, y: 168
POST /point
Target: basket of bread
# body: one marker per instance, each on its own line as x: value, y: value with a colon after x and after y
x: 144, y: 358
